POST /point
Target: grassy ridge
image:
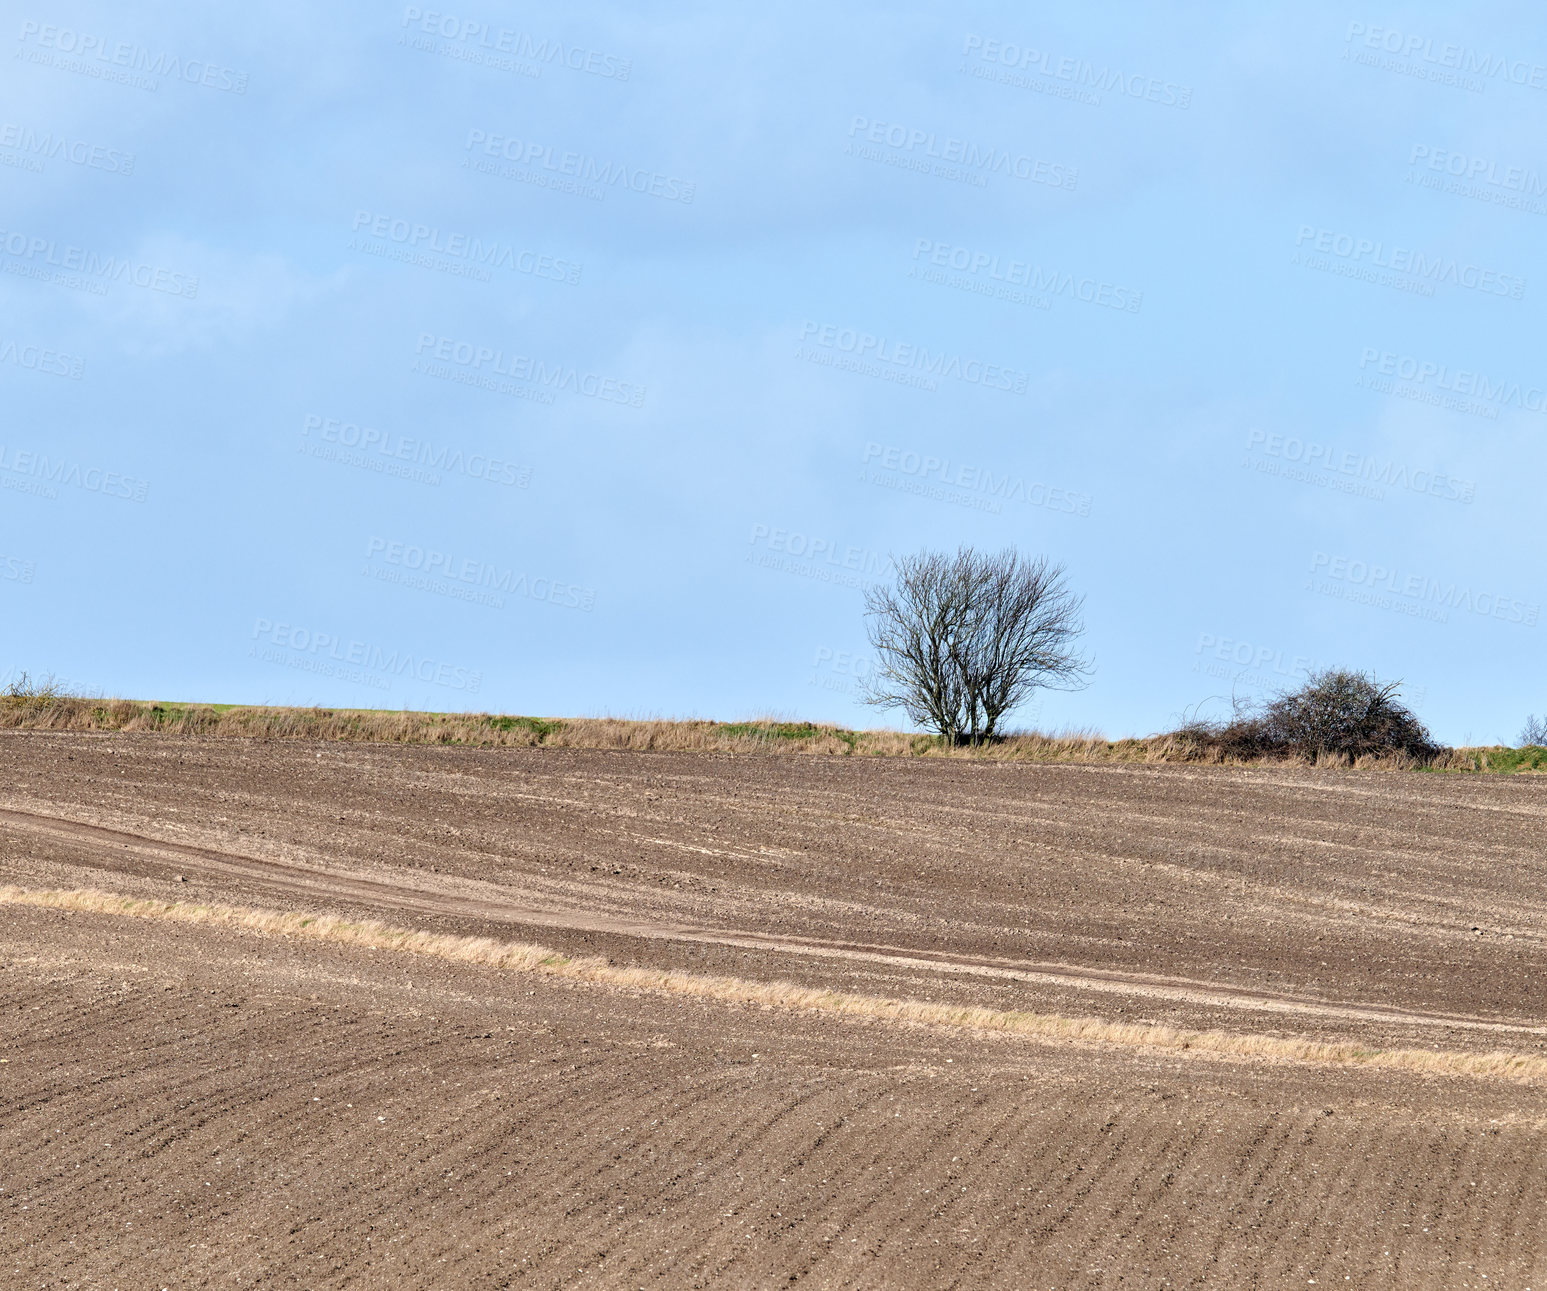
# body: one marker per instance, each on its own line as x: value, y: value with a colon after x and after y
x: 56, y: 712
x: 1499, y: 759
x: 488, y: 730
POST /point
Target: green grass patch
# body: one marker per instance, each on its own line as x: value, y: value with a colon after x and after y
x: 770, y: 730
x: 532, y: 725
x: 1498, y: 760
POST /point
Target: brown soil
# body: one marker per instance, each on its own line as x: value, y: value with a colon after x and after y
x: 189, y: 1106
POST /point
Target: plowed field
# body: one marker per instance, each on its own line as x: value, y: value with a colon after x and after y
x: 1235, y: 1027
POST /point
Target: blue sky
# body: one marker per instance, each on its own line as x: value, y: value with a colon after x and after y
x: 592, y: 360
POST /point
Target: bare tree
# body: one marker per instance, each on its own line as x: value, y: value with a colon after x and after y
x: 961, y: 640
x: 1534, y: 732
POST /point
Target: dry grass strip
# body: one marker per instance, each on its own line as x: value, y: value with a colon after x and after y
x: 529, y: 958
x: 60, y: 712
x: 49, y: 709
